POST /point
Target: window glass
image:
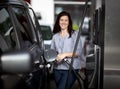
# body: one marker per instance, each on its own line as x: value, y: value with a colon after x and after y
x: 46, y: 32
x: 36, y: 27
x: 25, y: 29
x: 32, y: 17
x: 7, y: 37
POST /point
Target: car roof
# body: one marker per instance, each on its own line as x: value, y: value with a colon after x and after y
x: 18, y: 2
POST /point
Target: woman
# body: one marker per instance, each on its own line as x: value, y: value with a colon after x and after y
x: 63, y: 42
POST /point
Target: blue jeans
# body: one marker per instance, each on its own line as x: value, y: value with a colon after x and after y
x: 61, y: 78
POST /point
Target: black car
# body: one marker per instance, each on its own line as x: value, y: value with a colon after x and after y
x: 21, y: 47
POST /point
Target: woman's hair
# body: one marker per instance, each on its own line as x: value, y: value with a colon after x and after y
x: 57, y: 28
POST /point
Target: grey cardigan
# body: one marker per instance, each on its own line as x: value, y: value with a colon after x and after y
x: 66, y: 44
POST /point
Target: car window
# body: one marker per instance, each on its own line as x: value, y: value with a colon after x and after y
x: 32, y: 17
x: 46, y: 32
x: 35, y: 22
x: 37, y: 28
x: 24, y: 23
x: 26, y: 33
x: 6, y: 31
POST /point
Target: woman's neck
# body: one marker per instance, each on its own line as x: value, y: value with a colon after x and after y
x: 63, y: 33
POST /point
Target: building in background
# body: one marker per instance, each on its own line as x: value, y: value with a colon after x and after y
x: 49, y: 9
x: 44, y: 8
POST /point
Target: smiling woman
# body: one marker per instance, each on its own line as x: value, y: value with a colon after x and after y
x: 63, y: 42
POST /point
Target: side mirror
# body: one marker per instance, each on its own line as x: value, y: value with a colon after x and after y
x: 50, y: 55
x: 16, y: 62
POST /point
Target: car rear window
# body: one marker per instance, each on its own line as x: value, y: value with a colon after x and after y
x: 46, y: 32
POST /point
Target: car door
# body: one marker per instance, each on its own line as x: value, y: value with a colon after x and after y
x: 18, y: 33
x: 30, y: 41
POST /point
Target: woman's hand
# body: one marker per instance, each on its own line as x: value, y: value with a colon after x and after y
x: 60, y: 57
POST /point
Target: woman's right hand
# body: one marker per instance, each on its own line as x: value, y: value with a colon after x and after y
x: 60, y: 57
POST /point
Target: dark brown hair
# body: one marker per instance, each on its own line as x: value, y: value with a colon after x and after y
x: 57, y: 29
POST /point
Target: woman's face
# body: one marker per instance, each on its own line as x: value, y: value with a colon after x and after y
x: 64, y: 22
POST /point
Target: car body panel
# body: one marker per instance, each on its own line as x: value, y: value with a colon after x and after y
x: 19, y: 32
